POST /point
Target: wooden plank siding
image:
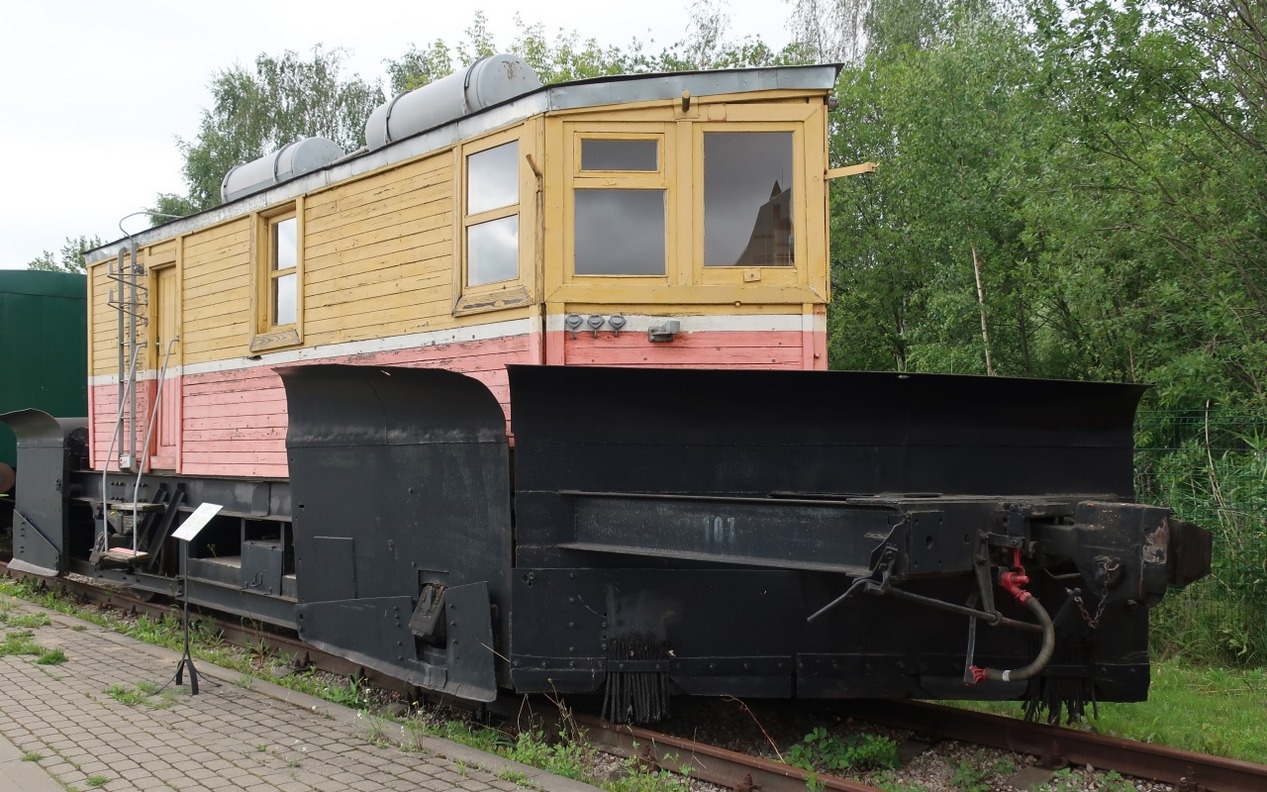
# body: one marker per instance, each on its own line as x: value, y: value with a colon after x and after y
x: 103, y: 403
x: 380, y: 281
x: 744, y: 350
x: 234, y: 421
x: 379, y: 254
x: 215, y: 317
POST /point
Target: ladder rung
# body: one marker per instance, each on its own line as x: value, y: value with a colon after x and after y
x: 124, y: 554
x: 125, y: 508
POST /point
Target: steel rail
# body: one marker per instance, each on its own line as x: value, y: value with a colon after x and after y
x: 720, y: 766
x: 1187, y: 770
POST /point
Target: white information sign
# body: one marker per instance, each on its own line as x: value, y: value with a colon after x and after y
x: 196, y: 521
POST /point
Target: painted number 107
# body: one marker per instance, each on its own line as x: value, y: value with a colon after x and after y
x: 719, y: 530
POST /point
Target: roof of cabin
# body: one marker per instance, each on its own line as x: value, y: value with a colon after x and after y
x: 595, y: 92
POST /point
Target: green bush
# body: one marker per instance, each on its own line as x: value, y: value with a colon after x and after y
x: 1211, y: 469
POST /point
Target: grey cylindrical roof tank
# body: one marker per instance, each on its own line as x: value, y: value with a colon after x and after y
x: 484, y: 83
x: 296, y: 159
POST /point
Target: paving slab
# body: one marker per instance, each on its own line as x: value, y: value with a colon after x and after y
x: 93, y: 722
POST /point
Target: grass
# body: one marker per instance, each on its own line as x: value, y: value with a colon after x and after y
x: 20, y: 642
x: 25, y: 620
x: 1209, y: 710
x: 51, y: 657
x: 126, y: 695
x: 143, y: 693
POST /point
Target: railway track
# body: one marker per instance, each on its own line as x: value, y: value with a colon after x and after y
x: 1187, y: 771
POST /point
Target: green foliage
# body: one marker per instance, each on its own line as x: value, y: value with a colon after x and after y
x: 351, y: 694
x: 143, y: 693
x: 831, y: 753
x: 25, y: 620
x: 636, y: 778
x: 418, y: 67
x: 887, y: 781
x: 1211, y: 468
x: 51, y: 657
x: 126, y: 695
x: 20, y: 642
x: 969, y: 778
x: 284, y: 99
x: 69, y: 259
x: 566, y: 757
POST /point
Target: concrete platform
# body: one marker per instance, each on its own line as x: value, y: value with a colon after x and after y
x: 61, y: 729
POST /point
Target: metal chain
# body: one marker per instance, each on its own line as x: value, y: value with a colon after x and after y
x: 1099, y: 611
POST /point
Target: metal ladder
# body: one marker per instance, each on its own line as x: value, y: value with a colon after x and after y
x: 129, y: 302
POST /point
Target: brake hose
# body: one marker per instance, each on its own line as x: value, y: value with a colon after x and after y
x: 1013, y: 582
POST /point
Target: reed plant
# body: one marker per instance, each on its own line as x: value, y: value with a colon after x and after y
x: 1212, y: 470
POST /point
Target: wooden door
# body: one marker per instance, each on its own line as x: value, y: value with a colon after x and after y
x: 166, y: 314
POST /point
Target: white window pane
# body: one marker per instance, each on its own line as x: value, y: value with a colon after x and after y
x: 492, y: 178
x: 284, y: 304
x: 285, y: 244
x: 492, y: 251
x: 748, y: 199
x: 620, y: 232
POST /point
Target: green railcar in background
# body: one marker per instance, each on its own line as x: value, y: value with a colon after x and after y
x: 43, y: 354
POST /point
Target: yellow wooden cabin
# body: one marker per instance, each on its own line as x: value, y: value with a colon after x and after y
x: 642, y: 220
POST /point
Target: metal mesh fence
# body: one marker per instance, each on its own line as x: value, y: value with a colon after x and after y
x: 1210, y: 467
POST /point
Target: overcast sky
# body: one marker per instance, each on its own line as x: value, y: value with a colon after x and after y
x: 94, y: 93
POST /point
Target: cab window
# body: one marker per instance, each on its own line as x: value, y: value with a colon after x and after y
x: 748, y: 199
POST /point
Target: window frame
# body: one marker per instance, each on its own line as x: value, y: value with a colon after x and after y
x: 777, y: 274
x: 603, y: 179
x: 269, y: 334
x: 506, y: 292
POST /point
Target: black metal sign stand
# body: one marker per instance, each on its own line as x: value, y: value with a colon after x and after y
x: 186, y: 660
x: 185, y: 534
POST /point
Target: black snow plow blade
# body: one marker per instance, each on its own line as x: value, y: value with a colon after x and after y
x: 806, y: 433
x: 400, y: 484
x: 47, y: 447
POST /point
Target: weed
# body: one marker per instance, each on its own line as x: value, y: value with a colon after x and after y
x: 244, y: 681
x: 32, y: 756
x: 96, y: 781
x: 1113, y: 782
x: 350, y: 695
x: 51, y: 657
x: 969, y: 778
x: 147, y: 687
x: 28, y: 620
x: 513, y: 776
x: 126, y: 695
x: 20, y: 642
x: 889, y: 783
x: 636, y: 779
x: 565, y: 757
x: 143, y: 693
x: 822, y: 751
x: 375, y: 728
x: 417, y: 730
